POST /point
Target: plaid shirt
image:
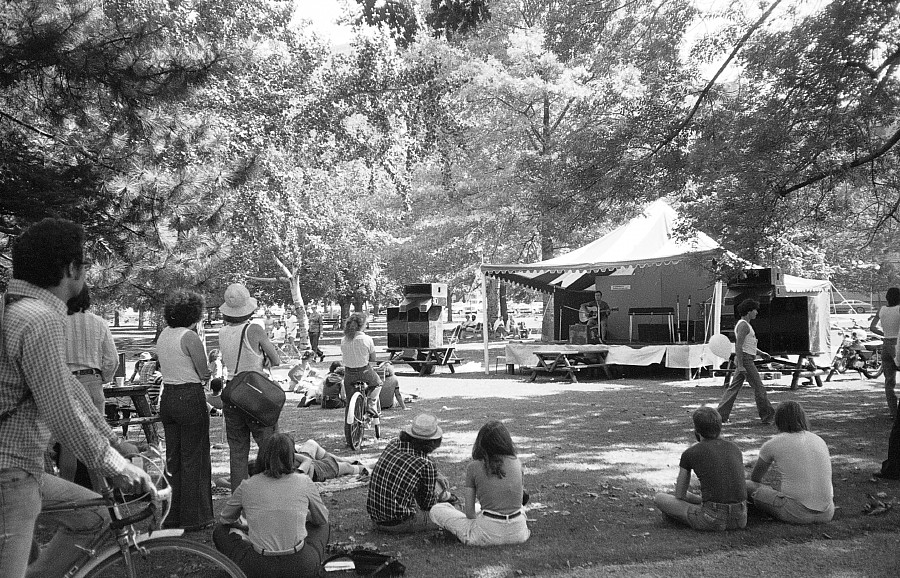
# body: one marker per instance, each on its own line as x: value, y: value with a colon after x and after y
x: 400, y: 476
x: 34, y: 375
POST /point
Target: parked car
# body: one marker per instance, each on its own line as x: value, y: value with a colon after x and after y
x: 851, y: 306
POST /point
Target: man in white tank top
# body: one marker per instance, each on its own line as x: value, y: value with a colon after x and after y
x: 745, y: 351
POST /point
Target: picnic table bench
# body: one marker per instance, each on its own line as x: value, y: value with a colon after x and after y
x: 427, y: 358
x: 140, y: 398
x: 569, y: 362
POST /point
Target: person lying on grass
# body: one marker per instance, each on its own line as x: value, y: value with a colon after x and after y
x: 720, y: 467
x: 405, y: 483
x: 493, y: 478
x: 320, y: 465
x: 806, y: 496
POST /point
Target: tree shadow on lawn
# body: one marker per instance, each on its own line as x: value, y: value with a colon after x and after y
x: 594, y: 455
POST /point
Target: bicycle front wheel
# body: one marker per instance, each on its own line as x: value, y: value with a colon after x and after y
x: 355, y: 426
x: 168, y: 556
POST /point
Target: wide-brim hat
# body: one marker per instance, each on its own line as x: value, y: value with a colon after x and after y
x: 425, y: 427
x: 145, y: 356
x: 238, y: 302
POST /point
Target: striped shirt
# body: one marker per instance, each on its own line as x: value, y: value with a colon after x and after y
x: 401, y: 476
x: 38, y: 386
x: 90, y: 345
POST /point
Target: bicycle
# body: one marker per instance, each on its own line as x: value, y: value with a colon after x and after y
x: 139, y: 553
x: 359, y: 418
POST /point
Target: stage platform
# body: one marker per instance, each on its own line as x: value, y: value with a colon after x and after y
x: 678, y: 356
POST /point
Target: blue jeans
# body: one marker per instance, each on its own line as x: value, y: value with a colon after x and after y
x: 750, y: 373
x: 890, y: 374
x: 306, y: 562
x: 185, y: 419
x: 21, y: 499
x: 238, y: 428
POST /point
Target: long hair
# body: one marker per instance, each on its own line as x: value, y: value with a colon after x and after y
x: 492, y: 444
x: 276, y: 456
x: 790, y: 417
x: 355, y: 324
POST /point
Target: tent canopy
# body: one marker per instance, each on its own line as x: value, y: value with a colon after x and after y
x: 646, y: 240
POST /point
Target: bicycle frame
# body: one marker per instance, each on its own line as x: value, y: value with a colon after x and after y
x: 121, y: 526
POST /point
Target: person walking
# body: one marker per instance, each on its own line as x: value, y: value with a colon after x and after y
x: 745, y: 351
x: 315, y: 331
x: 182, y: 409
x: 494, y: 480
x: 240, y: 336
x: 92, y: 356
x: 39, y: 395
x: 887, y: 324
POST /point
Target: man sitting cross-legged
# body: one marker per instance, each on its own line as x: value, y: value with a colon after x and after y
x: 806, y: 496
x: 720, y: 467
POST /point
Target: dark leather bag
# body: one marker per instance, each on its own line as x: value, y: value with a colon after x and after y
x: 254, y: 394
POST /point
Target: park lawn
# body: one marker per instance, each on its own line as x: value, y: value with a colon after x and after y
x: 595, y: 453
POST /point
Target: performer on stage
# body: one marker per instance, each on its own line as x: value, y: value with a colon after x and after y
x: 595, y: 313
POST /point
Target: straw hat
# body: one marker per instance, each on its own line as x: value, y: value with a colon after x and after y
x: 238, y: 302
x: 145, y: 356
x: 425, y: 427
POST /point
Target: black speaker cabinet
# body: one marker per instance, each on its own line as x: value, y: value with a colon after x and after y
x: 782, y: 326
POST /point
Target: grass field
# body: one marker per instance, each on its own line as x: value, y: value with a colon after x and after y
x: 595, y: 453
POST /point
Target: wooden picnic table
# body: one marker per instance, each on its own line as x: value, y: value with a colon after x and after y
x: 140, y: 397
x: 427, y: 357
x: 568, y: 361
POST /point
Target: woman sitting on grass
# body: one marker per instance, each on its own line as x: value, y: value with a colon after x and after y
x: 493, y: 478
x: 286, y: 526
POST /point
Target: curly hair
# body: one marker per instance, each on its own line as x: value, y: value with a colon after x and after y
x: 80, y: 303
x: 355, y: 324
x: 183, y: 308
x: 42, y: 252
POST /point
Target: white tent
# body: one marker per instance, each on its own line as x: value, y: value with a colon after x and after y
x: 641, y: 263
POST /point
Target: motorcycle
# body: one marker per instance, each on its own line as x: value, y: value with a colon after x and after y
x: 859, y: 351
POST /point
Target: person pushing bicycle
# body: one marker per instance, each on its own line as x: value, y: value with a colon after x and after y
x: 38, y: 396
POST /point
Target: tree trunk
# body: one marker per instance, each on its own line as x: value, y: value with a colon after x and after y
x: 504, y: 308
x: 345, y: 310
x: 141, y: 319
x: 359, y: 303
x: 116, y: 318
x: 293, y: 277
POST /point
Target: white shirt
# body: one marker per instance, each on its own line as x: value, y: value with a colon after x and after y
x: 890, y: 321
x: 805, y: 466
x: 356, y: 352
x: 750, y: 341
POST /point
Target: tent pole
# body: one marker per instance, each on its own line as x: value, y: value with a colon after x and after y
x: 484, y: 323
x: 716, y: 310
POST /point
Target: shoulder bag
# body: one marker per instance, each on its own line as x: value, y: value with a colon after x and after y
x: 254, y: 394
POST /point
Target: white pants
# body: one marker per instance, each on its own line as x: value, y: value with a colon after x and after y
x: 482, y: 531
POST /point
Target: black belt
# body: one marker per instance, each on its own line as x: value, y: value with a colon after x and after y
x: 91, y: 371
x: 501, y: 516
